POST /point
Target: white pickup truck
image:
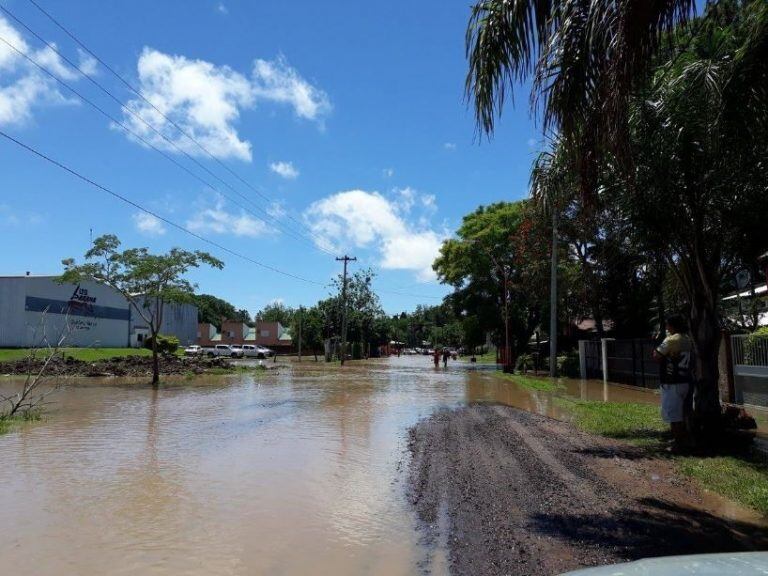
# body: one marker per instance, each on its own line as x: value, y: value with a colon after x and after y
x: 254, y: 351
x: 223, y: 350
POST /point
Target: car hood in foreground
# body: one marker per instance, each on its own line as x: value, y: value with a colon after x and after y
x: 734, y: 564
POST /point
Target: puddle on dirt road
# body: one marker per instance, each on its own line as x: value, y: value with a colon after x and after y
x: 297, y: 472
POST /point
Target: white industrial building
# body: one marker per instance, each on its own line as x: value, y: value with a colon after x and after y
x: 35, y: 310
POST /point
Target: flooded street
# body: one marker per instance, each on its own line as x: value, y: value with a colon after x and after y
x: 291, y: 473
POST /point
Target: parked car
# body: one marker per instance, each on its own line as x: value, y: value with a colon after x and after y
x: 729, y: 564
x: 267, y: 352
x: 223, y: 350
x: 255, y: 351
x: 237, y: 351
x: 193, y: 350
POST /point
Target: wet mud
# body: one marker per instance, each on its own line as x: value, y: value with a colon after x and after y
x: 510, y: 492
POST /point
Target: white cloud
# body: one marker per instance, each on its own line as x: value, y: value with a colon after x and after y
x: 449, y: 145
x: 277, y: 81
x: 206, y: 101
x: 23, y: 86
x: 148, y: 224
x: 276, y: 210
x: 388, y: 172
x: 13, y: 218
x: 360, y: 219
x: 218, y: 220
x: 221, y: 8
x: 428, y: 201
x: 88, y: 63
x: 285, y: 170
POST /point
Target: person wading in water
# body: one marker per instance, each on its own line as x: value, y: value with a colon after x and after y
x: 675, y: 354
x: 436, y: 356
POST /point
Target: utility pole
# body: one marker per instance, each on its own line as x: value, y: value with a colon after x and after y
x: 346, y: 259
x: 508, y: 367
x: 301, y: 319
x: 553, y: 301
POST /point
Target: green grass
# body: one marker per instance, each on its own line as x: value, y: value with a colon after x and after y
x: 487, y: 358
x: 742, y: 480
x: 637, y: 423
x: 85, y: 354
x: 9, y: 423
x: 533, y: 382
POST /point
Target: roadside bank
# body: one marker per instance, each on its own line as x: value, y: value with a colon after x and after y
x: 511, y: 492
x: 124, y: 366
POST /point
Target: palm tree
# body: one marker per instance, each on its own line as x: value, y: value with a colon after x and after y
x: 694, y: 129
x: 584, y: 57
x: 698, y: 137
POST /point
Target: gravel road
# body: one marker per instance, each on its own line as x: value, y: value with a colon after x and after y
x: 509, y: 492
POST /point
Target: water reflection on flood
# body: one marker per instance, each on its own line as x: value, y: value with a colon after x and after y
x: 488, y: 387
x: 290, y: 473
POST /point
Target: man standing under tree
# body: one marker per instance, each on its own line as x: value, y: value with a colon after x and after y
x: 675, y: 356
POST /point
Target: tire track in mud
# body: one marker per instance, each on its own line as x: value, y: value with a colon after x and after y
x: 511, y: 492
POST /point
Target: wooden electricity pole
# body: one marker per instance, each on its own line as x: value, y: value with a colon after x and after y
x: 301, y: 320
x: 346, y: 259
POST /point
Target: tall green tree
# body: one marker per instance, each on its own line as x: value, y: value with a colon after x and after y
x: 277, y: 312
x: 310, y: 322
x: 213, y: 310
x: 699, y: 144
x: 147, y: 281
x: 363, y: 308
x: 496, y: 268
x: 665, y: 121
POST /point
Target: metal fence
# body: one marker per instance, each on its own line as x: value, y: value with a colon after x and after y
x: 631, y: 362
x: 623, y: 361
x: 750, y: 369
x: 592, y: 360
x: 750, y: 352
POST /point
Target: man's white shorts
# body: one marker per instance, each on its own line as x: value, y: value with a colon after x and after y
x: 673, y: 402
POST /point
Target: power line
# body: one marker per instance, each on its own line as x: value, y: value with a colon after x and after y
x: 138, y: 206
x: 170, y: 222
x: 133, y: 133
x: 168, y: 157
x: 138, y: 93
x: 126, y: 108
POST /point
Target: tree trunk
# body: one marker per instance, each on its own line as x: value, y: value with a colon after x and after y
x: 155, y: 362
x: 705, y: 331
x: 598, y: 315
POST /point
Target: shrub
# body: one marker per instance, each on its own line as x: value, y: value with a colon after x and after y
x: 569, y: 365
x: 524, y: 363
x: 165, y: 344
x: 754, y: 343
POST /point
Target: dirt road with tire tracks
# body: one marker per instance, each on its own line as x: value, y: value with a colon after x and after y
x: 509, y: 492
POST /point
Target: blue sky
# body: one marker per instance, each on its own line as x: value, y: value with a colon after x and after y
x: 348, y: 116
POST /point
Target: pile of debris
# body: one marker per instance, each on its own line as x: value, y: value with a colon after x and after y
x: 115, y: 366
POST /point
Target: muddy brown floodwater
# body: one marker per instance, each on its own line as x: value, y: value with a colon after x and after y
x: 300, y: 472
